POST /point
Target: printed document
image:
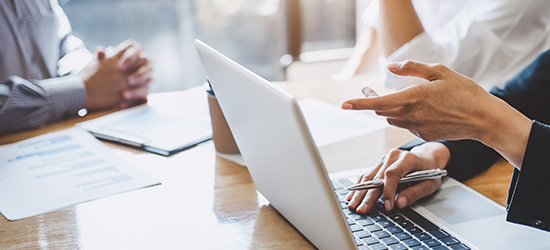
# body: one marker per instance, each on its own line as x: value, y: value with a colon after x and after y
x: 329, y: 124
x: 60, y: 169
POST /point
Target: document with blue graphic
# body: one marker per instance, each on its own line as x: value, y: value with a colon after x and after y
x: 60, y: 169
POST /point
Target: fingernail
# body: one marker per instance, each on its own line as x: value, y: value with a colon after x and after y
x: 347, y: 106
x: 127, y: 95
x: 402, y: 201
x: 124, y: 66
x: 362, y: 206
x: 387, y: 205
x: 392, y: 66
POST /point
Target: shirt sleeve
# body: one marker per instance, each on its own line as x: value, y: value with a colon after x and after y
x: 488, y: 41
x: 73, y: 55
x: 26, y: 104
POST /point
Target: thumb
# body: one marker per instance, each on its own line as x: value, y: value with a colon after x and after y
x: 430, y: 72
x: 100, y: 53
x: 420, y: 190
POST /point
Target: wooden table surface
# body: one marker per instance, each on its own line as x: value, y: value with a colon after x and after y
x: 205, y: 202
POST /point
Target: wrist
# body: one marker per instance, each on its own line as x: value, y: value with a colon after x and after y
x: 436, y: 153
x: 507, y: 131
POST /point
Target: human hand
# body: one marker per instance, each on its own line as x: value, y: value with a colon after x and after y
x: 450, y: 106
x: 394, y: 166
x: 138, y: 66
x: 103, y: 80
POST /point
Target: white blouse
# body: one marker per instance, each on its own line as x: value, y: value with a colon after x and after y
x: 487, y: 40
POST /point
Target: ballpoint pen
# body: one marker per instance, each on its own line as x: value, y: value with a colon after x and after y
x: 414, y: 176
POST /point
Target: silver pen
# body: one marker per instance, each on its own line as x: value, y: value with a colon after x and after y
x: 414, y: 176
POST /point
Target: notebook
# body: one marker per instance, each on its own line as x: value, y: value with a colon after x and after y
x: 286, y: 168
x: 180, y: 122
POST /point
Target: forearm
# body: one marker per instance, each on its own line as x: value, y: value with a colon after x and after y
x: 399, y: 23
x: 28, y: 104
x: 507, y: 131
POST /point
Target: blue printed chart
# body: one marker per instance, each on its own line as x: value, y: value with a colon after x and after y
x: 60, y: 169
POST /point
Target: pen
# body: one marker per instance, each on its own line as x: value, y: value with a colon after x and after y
x: 414, y: 176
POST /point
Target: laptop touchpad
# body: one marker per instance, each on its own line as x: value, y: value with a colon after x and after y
x: 456, y: 205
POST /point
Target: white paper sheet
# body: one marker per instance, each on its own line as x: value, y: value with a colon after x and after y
x: 329, y: 124
x: 60, y: 169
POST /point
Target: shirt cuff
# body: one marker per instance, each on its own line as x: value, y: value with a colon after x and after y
x: 67, y: 94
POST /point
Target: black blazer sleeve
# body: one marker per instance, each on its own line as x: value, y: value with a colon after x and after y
x: 529, y: 93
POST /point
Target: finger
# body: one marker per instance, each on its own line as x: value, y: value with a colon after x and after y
x: 142, y: 75
x: 128, y: 58
x: 100, y: 52
x: 429, y: 72
x: 363, y: 178
x: 132, y: 103
x: 385, y: 102
x: 405, y: 164
x: 358, y: 196
x: 414, y: 193
x: 143, y: 60
x: 136, y: 93
x: 355, y: 197
x: 372, y: 195
x: 127, y: 43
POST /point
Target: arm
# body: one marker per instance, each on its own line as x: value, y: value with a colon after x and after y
x: 399, y: 24
x: 530, y: 158
x: 133, y: 63
x: 364, y: 53
x: 28, y: 104
x: 527, y: 202
x: 451, y: 107
x: 488, y: 41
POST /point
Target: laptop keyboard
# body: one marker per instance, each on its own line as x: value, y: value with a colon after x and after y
x: 393, y: 230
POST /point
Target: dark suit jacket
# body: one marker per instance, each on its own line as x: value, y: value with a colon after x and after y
x: 529, y: 195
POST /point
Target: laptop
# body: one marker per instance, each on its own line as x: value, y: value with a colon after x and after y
x: 286, y: 167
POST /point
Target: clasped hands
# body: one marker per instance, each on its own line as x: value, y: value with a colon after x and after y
x: 449, y: 106
x: 117, y: 77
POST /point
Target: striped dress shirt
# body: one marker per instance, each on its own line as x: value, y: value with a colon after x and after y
x: 37, y: 57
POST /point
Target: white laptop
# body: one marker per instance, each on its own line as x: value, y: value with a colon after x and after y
x: 285, y: 165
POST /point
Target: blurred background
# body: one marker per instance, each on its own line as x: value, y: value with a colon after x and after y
x: 266, y: 36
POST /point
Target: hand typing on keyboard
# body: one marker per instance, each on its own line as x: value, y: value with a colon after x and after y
x: 394, y: 166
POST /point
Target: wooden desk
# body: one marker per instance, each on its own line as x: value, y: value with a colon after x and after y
x: 204, y: 202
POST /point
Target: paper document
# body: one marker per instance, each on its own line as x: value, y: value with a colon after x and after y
x: 60, y: 169
x: 329, y: 124
x: 164, y: 129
